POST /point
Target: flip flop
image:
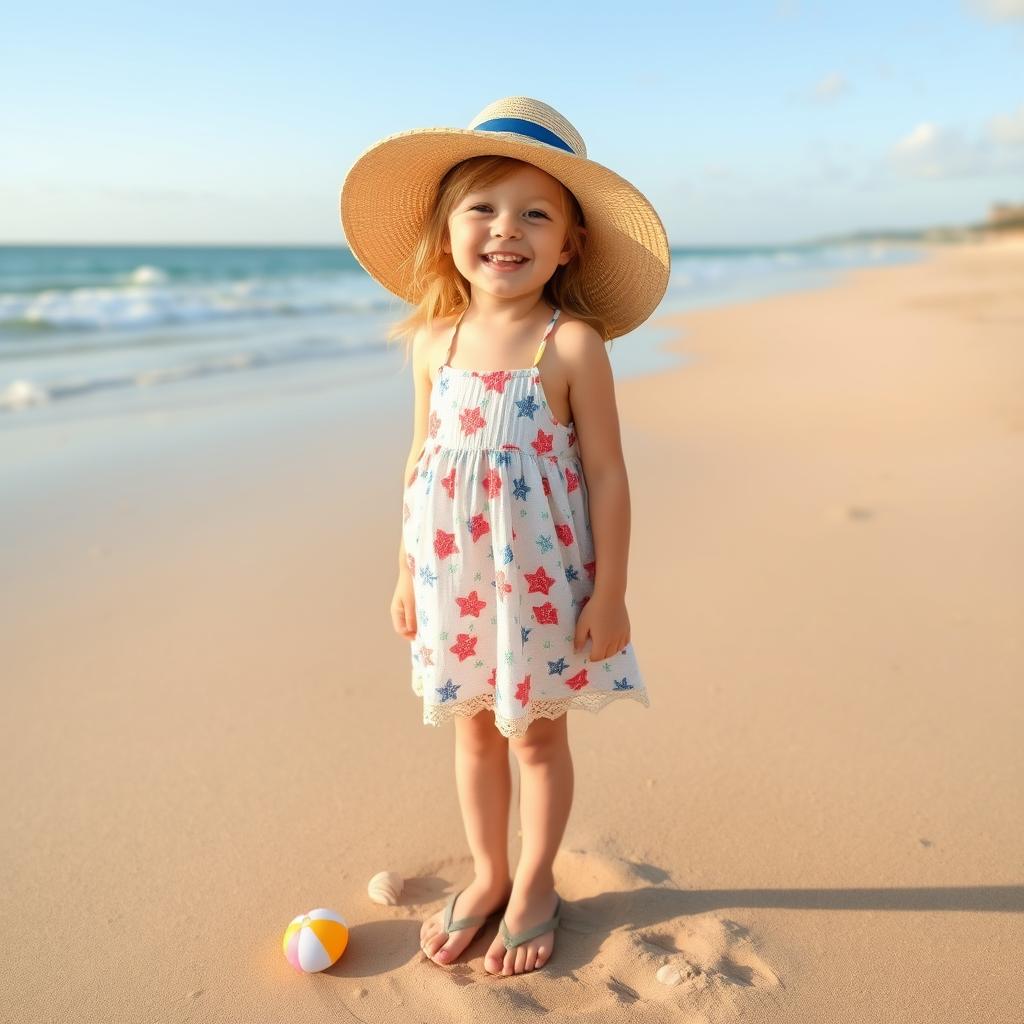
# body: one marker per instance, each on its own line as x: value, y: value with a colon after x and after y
x: 511, y: 941
x: 450, y: 926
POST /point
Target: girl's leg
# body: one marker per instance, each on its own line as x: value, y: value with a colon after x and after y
x: 545, y: 799
x: 484, y: 781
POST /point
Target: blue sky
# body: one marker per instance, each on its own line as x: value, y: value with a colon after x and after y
x: 742, y: 122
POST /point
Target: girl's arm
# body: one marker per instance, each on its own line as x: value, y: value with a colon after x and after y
x: 596, y: 419
x: 422, y: 350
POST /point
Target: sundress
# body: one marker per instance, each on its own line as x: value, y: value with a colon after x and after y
x: 496, y: 527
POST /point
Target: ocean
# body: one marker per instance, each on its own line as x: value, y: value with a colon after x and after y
x: 123, y: 330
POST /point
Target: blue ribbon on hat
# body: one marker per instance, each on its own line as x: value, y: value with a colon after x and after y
x: 520, y: 126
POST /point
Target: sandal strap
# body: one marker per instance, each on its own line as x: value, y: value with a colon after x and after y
x: 464, y: 922
x: 511, y: 941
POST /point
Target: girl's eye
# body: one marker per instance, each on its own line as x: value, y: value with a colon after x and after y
x: 484, y: 206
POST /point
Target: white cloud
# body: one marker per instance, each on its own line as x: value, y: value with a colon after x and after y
x: 935, y: 151
x: 997, y: 10
x: 831, y: 87
x: 931, y: 151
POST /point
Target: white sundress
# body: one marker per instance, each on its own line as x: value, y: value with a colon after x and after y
x: 496, y: 527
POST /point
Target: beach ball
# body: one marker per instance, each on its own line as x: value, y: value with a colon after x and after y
x: 314, y: 941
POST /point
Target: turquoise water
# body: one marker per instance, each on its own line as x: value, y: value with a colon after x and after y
x: 125, y: 328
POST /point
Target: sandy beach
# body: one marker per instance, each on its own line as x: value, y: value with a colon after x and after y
x: 209, y: 726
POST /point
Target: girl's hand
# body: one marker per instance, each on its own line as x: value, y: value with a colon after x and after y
x: 403, y: 606
x: 607, y: 622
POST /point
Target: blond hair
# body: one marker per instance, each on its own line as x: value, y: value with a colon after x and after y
x: 444, y: 292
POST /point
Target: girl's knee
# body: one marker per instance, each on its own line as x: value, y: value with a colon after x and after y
x: 478, y: 735
x: 544, y: 740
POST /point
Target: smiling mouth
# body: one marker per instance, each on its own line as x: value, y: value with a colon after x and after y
x: 503, y: 264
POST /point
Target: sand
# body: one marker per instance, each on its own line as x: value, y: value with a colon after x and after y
x: 208, y: 724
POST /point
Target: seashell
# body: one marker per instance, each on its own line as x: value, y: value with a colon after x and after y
x: 386, y: 887
x: 669, y: 974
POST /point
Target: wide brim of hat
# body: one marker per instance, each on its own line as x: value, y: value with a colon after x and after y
x: 390, y: 188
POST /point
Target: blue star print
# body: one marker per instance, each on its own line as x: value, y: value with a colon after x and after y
x: 526, y: 632
x: 571, y: 573
x: 506, y: 555
x: 426, y: 576
x: 544, y: 542
x: 557, y: 667
x: 527, y: 406
x: 503, y: 458
x: 448, y: 692
x: 623, y: 684
x: 520, y: 489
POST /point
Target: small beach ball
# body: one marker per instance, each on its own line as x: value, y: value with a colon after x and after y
x: 314, y: 941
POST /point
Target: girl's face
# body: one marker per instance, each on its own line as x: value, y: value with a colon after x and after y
x: 521, y: 215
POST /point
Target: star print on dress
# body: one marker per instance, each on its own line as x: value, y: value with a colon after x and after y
x: 542, y: 443
x: 464, y: 646
x: 527, y: 406
x: 572, y: 481
x: 492, y: 483
x: 525, y: 633
x: 496, y: 381
x: 564, y: 532
x: 492, y: 679
x: 425, y: 654
x: 623, y: 684
x: 591, y: 568
x: 520, y: 489
x: 556, y: 668
x: 449, y: 691
x: 547, y: 486
x: 546, y: 613
x: 578, y: 681
x: 523, y: 691
x: 444, y: 544
x: 471, y: 420
x: 478, y: 526
x: 448, y: 483
x: 539, y: 581
x: 502, y: 585
x: 434, y: 424
x: 471, y: 605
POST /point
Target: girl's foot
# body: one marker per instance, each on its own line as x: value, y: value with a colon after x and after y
x: 526, y: 909
x: 479, y: 897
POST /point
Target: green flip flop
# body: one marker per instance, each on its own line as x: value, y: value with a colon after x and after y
x: 511, y: 941
x: 450, y: 926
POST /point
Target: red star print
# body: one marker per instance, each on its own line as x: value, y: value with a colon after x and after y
x: 492, y: 679
x: 511, y: 448
x: 578, y: 681
x: 470, y: 605
x: 572, y: 438
x: 502, y: 587
x: 564, y: 533
x: 405, y: 512
x: 546, y: 484
x: 572, y: 480
x: 546, y: 612
x: 591, y: 568
x: 523, y: 691
x: 583, y: 602
x: 496, y: 381
x: 425, y: 654
x: 513, y: 533
x: 435, y: 424
x: 478, y: 526
x: 444, y: 544
x: 448, y: 483
x: 492, y: 483
x: 471, y: 419
x: 540, y: 582
x: 464, y: 646
x: 542, y: 443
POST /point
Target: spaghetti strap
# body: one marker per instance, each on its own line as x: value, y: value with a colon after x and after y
x: 448, y: 354
x: 544, y: 340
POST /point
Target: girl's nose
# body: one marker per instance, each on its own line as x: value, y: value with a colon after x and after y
x: 505, y: 227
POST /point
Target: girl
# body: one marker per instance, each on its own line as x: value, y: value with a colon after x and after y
x: 521, y: 257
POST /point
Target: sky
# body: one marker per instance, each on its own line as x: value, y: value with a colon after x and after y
x: 744, y: 122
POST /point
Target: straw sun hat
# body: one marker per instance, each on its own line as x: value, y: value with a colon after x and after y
x: 391, y: 187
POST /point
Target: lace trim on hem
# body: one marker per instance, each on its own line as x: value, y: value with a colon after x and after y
x: 515, y: 728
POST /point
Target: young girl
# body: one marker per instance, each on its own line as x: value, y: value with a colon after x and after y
x: 522, y: 257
